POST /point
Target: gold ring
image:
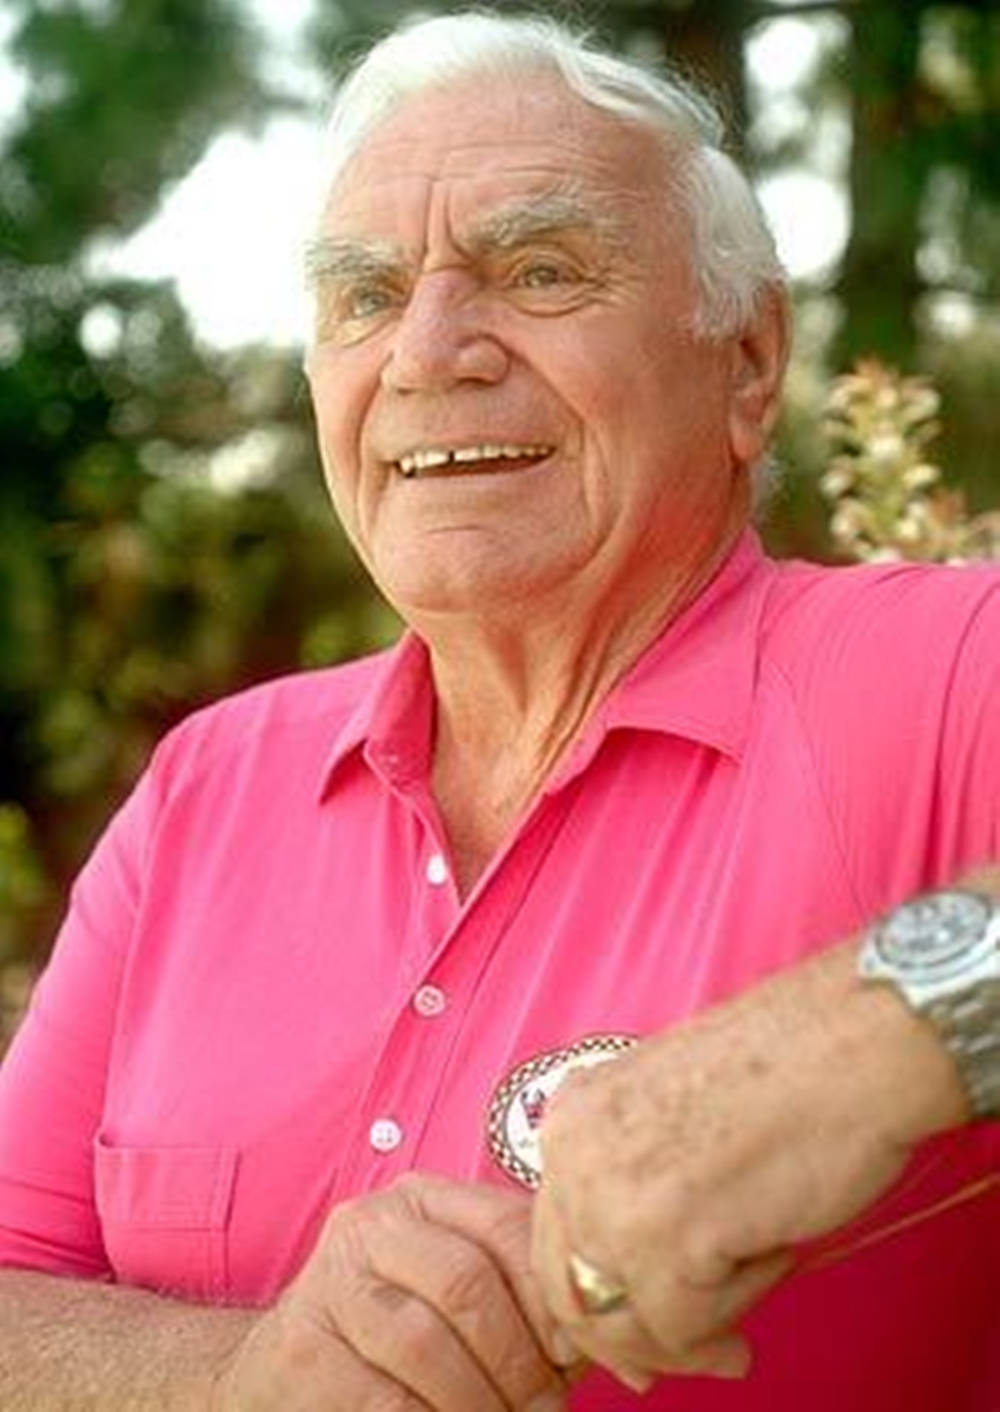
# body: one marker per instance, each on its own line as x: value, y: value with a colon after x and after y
x: 596, y: 1293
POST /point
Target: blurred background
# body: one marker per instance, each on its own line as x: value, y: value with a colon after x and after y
x: 164, y: 536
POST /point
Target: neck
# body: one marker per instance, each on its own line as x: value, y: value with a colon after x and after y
x: 513, y: 697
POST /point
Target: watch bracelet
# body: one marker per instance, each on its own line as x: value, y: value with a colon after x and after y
x: 968, y: 1022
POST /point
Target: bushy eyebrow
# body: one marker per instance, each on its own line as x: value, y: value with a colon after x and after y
x: 506, y: 228
x: 348, y: 257
x: 524, y: 220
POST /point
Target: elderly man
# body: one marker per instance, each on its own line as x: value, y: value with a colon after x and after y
x: 576, y: 906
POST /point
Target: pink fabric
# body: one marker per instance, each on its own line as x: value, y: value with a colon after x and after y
x: 232, y: 1003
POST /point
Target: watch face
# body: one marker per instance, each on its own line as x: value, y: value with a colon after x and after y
x: 930, y: 932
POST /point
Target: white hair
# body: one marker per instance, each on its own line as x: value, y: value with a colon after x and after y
x: 733, y: 254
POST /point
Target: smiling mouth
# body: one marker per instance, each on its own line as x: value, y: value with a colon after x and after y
x: 487, y: 459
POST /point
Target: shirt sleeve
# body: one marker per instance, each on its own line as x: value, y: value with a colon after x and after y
x: 969, y: 797
x: 53, y: 1079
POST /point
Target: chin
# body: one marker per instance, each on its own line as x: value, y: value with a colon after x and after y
x: 486, y: 575
x: 486, y: 595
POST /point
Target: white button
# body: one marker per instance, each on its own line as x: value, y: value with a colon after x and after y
x: 429, y: 1001
x: 437, y: 869
x: 385, y: 1135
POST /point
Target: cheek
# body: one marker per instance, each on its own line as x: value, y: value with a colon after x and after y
x: 607, y: 372
x: 340, y: 474
x: 339, y: 409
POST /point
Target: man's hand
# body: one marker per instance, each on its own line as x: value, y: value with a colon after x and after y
x: 418, y: 1297
x: 688, y: 1170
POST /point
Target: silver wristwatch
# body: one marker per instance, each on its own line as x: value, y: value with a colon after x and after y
x: 942, y: 953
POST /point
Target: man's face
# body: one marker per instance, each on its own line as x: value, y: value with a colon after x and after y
x: 512, y: 408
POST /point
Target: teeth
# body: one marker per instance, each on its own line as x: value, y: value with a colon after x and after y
x: 482, y: 453
x: 415, y: 461
x: 423, y: 461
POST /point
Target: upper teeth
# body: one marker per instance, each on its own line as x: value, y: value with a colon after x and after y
x: 424, y: 460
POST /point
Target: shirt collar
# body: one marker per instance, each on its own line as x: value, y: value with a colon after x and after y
x: 392, y: 723
x: 696, y: 680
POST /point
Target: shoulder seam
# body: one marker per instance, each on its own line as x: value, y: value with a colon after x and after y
x: 770, y: 664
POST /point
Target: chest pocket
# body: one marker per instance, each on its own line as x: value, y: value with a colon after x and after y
x: 164, y: 1215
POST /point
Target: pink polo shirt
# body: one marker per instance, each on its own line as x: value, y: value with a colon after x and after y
x: 268, y: 997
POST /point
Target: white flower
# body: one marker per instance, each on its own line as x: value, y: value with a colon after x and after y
x: 921, y: 475
x: 886, y: 448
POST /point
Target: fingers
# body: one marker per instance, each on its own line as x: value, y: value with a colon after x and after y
x: 419, y: 1298
x: 684, y: 1311
x: 617, y: 1341
x: 287, y: 1362
x: 430, y: 1282
x: 671, y: 1324
x: 404, y: 1338
x: 747, y: 1282
x: 501, y: 1223
x: 437, y: 1310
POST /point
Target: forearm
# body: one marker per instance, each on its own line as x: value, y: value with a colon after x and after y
x: 76, y: 1346
x: 724, y: 1153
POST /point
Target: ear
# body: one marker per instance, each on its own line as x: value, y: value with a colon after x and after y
x: 759, y: 356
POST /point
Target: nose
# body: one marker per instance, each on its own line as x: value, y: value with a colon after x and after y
x: 440, y: 340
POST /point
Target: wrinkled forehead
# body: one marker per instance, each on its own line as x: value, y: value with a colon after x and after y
x: 481, y: 142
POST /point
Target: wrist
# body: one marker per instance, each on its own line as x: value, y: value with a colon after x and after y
x: 222, y: 1393
x: 222, y: 1386
x: 912, y: 1066
x: 937, y: 957
x: 218, y: 1397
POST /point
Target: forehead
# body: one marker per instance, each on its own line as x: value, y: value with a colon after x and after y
x: 485, y: 141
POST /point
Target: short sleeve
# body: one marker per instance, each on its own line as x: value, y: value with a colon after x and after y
x: 895, y: 672
x: 53, y: 1079
x: 969, y: 795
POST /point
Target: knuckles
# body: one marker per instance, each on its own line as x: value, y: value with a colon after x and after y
x: 416, y: 1331
x: 412, y: 1189
x: 468, y: 1285
x: 383, y: 1396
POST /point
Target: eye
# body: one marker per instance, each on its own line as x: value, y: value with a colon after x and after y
x: 365, y: 301
x: 543, y: 274
x: 548, y: 280
x: 348, y: 311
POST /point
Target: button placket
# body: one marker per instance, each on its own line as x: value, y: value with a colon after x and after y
x: 436, y: 870
x: 412, y: 1064
x: 385, y: 1135
x: 430, y: 1001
